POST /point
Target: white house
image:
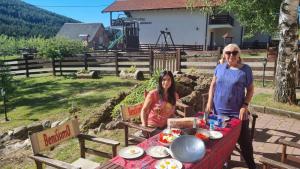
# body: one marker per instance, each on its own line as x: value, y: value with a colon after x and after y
x: 186, y: 26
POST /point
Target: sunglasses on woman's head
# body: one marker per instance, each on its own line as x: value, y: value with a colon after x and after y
x: 234, y: 53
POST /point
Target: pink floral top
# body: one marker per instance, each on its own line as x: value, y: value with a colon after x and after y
x: 156, y: 119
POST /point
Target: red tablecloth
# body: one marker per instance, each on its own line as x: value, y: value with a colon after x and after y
x: 217, y: 151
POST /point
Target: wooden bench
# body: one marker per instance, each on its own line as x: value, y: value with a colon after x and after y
x: 267, y: 163
x: 47, y: 139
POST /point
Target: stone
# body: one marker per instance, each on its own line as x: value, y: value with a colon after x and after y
x: 54, y: 124
x: 138, y: 75
x: 35, y: 127
x: 20, y: 132
x: 176, y: 73
x: 113, y: 125
x: 92, y: 132
x: 64, y: 120
x: 122, y: 73
x: 46, y: 124
x: 3, y: 135
x: 10, y: 132
x: 101, y: 127
x: 5, y: 139
x: 103, y: 114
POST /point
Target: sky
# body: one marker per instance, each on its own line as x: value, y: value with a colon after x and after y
x: 87, y: 11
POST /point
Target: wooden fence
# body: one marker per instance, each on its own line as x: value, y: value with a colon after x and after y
x: 113, y: 63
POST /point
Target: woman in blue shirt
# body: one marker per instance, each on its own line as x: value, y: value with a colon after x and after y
x: 230, y: 92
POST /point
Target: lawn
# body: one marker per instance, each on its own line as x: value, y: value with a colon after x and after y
x: 40, y: 98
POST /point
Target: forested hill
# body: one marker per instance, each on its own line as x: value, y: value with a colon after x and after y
x: 20, y: 19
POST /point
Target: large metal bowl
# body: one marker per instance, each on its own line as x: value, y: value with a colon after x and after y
x: 187, y: 148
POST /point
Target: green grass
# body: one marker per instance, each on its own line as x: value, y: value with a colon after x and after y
x: 267, y: 84
x: 10, y: 57
x: 40, y: 98
x: 264, y: 99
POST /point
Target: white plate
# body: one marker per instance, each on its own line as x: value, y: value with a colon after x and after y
x: 226, y: 118
x: 157, y: 151
x: 131, y: 152
x: 215, y: 135
x: 168, y: 163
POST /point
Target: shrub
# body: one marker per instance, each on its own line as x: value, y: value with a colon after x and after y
x: 137, y: 95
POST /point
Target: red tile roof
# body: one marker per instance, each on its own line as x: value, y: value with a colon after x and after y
x: 138, y: 5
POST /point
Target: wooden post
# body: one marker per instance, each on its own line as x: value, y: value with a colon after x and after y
x: 53, y: 67
x: 82, y: 147
x: 85, y: 61
x: 117, y: 64
x: 178, y: 60
x: 114, y: 150
x: 283, y: 153
x: 60, y: 69
x: 151, y: 62
x: 126, y: 135
x: 26, y: 64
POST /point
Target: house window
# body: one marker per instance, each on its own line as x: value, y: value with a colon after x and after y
x: 145, y: 23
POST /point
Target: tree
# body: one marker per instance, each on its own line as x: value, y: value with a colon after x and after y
x: 285, y: 77
x: 6, y: 85
x: 262, y: 16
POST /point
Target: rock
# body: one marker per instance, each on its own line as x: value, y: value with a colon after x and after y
x: 101, y: 127
x: 183, y: 90
x: 138, y: 75
x: 35, y: 127
x: 95, y: 74
x: 176, y: 73
x: 103, y: 114
x: 10, y: 132
x: 113, y: 125
x: 20, y: 132
x: 122, y: 74
x: 3, y: 135
x: 92, y: 132
x: 46, y: 124
x: 65, y: 120
x: 54, y: 124
x: 5, y: 138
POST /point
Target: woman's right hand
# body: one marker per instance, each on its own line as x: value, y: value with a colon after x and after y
x: 208, y: 107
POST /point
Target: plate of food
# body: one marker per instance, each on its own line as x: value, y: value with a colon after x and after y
x: 131, y: 152
x: 168, y: 163
x: 202, y: 134
x: 158, y: 151
x: 215, y: 134
x: 167, y: 136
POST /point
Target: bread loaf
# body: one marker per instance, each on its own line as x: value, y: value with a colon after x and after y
x: 187, y: 122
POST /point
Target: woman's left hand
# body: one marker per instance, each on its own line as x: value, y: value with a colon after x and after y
x: 243, y: 113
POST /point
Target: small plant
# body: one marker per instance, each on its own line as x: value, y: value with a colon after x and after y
x: 83, y: 71
x: 131, y: 69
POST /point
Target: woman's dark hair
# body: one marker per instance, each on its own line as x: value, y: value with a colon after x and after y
x: 171, y: 91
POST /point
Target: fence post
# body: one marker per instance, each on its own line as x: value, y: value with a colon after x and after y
x: 25, y: 56
x: 178, y: 60
x: 53, y: 67
x: 117, y: 64
x: 151, y: 62
x: 85, y: 61
x: 60, y: 68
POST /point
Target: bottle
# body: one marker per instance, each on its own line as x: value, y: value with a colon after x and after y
x: 211, y: 125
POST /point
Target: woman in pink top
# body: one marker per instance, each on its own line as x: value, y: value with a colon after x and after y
x: 160, y: 103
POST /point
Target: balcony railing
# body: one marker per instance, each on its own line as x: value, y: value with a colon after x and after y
x: 220, y: 20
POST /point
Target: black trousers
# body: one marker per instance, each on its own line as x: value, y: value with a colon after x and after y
x: 245, y: 143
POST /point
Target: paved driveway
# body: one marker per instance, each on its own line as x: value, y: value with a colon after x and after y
x: 269, y: 128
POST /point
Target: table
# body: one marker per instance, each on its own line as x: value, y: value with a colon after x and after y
x: 217, y: 151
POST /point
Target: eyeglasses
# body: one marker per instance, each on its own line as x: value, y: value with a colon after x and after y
x: 234, y: 53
